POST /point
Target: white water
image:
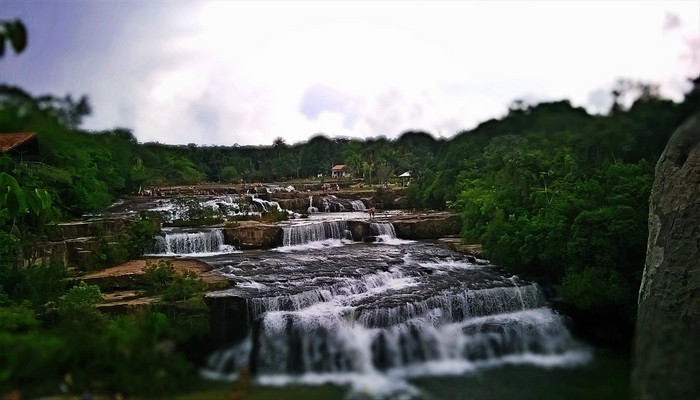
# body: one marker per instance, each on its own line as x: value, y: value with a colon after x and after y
x: 358, y: 205
x: 192, y: 243
x: 386, y: 234
x: 311, y: 208
x: 329, y: 232
x: 373, y: 334
x: 266, y: 205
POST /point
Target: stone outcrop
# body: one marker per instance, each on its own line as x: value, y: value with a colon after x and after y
x: 359, y: 230
x: 298, y: 204
x: 253, y: 235
x: 474, y: 250
x: 427, y: 226
x: 667, y: 348
x: 73, y: 243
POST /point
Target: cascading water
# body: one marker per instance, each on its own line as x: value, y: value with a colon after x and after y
x: 383, y: 229
x: 377, y: 316
x: 199, y: 242
x: 385, y: 233
x: 264, y: 204
x: 358, y: 205
x: 311, y: 208
x: 326, y: 231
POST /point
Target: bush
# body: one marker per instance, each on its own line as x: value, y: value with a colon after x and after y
x: 158, y: 275
x: 141, y: 235
x: 77, y: 307
x: 183, y: 286
x: 274, y: 215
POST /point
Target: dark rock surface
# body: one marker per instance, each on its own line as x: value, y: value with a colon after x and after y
x: 427, y: 226
x: 667, y: 348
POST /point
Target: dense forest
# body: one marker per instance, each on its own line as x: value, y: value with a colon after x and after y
x: 550, y: 190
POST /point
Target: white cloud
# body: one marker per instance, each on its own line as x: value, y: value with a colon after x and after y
x: 237, y: 72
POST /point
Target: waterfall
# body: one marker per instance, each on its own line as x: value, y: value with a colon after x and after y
x: 265, y: 205
x: 385, y: 314
x: 385, y: 229
x: 358, y: 205
x: 209, y: 241
x: 311, y: 208
x: 316, y: 232
x: 351, y: 328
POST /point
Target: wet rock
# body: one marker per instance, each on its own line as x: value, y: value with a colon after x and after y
x: 426, y: 226
x: 253, y: 235
x: 667, y: 348
x: 474, y: 250
x: 230, y: 319
x: 298, y: 204
x: 359, y: 230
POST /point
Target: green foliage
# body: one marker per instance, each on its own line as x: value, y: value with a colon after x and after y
x: 77, y: 307
x: 141, y: 235
x: 559, y: 195
x: 15, y: 34
x: 158, y: 275
x: 191, y: 212
x: 274, y: 215
x: 17, y: 318
x: 162, y: 278
x: 183, y: 286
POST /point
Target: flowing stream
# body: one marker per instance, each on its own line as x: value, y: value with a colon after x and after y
x: 376, y: 316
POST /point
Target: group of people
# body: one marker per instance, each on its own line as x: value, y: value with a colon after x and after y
x: 327, y: 187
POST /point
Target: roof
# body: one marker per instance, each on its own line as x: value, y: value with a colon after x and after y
x: 340, y: 167
x: 9, y: 141
x: 406, y: 174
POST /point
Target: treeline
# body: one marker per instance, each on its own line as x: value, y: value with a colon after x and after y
x: 84, y: 171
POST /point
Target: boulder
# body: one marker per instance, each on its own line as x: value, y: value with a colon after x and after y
x: 667, y: 343
x: 297, y: 204
x: 253, y: 235
x: 359, y: 230
x: 427, y: 226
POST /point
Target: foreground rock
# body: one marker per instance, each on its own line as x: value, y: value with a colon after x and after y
x: 667, y: 348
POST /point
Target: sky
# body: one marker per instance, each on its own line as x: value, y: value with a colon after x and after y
x: 235, y: 72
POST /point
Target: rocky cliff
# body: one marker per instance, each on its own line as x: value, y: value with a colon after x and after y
x: 667, y: 348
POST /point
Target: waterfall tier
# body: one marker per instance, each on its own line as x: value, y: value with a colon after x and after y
x: 200, y: 242
x: 372, y: 310
x: 314, y: 232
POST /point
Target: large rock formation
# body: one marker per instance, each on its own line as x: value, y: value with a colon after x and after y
x: 427, y: 226
x: 253, y: 235
x: 667, y: 348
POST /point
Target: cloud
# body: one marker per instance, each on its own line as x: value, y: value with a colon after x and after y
x: 243, y: 72
x: 671, y: 21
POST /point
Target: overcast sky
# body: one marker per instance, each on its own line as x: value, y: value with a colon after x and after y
x: 225, y: 72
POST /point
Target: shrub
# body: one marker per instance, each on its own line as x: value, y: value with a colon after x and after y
x: 158, y: 275
x: 183, y: 286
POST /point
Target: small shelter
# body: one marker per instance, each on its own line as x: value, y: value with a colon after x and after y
x: 19, y: 144
x: 405, y: 178
x: 341, y: 171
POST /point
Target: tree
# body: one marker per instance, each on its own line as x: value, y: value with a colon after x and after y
x: 15, y: 33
